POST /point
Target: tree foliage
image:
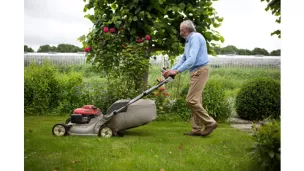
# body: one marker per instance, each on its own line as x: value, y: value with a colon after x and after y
x: 260, y: 51
x: 244, y: 52
x: 62, y: 48
x: 68, y: 48
x: 275, y: 7
x: 160, y: 19
x: 129, y: 22
x: 28, y: 49
x: 230, y: 49
x: 276, y: 52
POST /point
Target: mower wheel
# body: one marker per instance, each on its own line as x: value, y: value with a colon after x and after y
x: 106, y: 132
x: 59, y: 130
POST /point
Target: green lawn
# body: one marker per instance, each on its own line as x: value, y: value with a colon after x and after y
x: 155, y: 146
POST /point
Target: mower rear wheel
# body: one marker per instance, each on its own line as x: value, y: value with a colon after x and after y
x: 59, y: 130
x: 105, y: 132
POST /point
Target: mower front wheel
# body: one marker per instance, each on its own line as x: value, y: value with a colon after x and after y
x: 106, y: 132
x: 59, y: 130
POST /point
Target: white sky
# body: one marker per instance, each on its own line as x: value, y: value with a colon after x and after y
x: 246, y: 24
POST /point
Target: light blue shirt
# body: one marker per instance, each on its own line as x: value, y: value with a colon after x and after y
x: 195, y: 53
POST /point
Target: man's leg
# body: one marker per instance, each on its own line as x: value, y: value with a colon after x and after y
x: 194, y: 99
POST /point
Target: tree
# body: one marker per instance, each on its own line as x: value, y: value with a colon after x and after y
x: 68, y: 48
x: 275, y: 7
x: 244, y: 52
x: 28, y: 49
x: 230, y: 49
x: 218, y: 50
x: 276, y: 52
x: 62, y: 48
x: 134, y: 19
x: 45, y: 48
x: 260, y: 51
x: 53, y: 49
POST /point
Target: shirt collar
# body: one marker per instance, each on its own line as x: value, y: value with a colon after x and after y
x: 188, y: 37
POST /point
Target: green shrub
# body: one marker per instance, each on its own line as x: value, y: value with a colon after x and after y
x: 41, y: 89
x: 214, y: 100
x: 93, y: 92
x: 104, y: 94
x: 259, y: 98
x: 70, y: 91
x: 181, y: 109
x: 267, y: 150
x: 162, y: 100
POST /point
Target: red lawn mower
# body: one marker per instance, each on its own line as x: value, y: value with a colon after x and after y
x: 122, y: 115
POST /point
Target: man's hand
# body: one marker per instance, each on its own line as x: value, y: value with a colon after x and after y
x: 168, y: 72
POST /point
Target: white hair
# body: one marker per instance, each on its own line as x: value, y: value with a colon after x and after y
x: 189, y: 25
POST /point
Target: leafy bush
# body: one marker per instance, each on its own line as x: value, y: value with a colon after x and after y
x: 267, y: 150
x: 161, y: 98
x: 70, y: 91
x: 259, y: 98
x: 181, y: 109
x: 41, y: 89
x: 112, y: 90
x: 214, y: 100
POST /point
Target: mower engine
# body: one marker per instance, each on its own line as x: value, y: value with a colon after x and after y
x: 85, y: 114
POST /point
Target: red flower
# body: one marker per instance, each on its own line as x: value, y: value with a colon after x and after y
x: 139, y: 40
x: 105, y: 29
x: 120, y: 28
x: 148, y: 37
x: 161, y: 88
x: 87, y: 49
x: 112, y: 30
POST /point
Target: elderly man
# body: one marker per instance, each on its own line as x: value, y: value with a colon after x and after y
x: 195, y: 58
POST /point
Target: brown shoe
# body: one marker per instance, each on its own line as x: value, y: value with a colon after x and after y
x: 194, y: 133
x: 209, y: 129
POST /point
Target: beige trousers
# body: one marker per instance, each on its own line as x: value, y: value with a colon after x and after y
x: 199, y: 115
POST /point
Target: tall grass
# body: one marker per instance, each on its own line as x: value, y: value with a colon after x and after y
x: 234, y: 77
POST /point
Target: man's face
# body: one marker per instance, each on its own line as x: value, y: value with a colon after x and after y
x: 184, y: 32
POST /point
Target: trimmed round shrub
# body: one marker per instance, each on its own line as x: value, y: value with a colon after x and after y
x: 259, y: 98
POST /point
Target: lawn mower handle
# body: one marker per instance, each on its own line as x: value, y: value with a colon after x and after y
x: 164, y: 69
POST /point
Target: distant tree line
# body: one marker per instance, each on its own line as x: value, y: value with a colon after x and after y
x: 232, y: 50
x: 61, y: 48
x: 228, y: 50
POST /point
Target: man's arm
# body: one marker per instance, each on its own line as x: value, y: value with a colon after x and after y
x: 181, y: 61
x: 194, y: 48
